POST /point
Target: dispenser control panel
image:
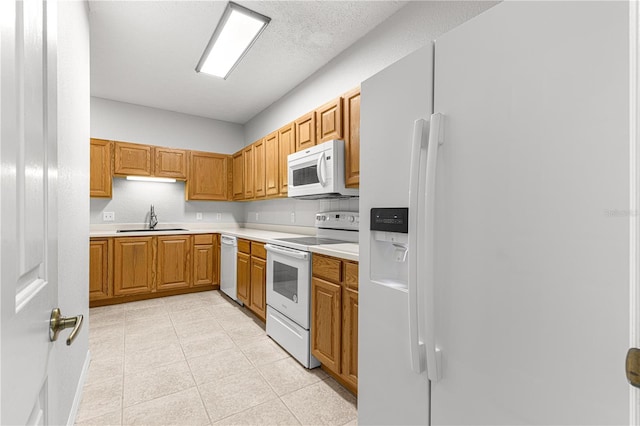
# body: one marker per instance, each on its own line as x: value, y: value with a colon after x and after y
x: 387, y: 219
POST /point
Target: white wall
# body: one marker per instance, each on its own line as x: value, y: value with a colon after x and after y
x: 131, y: 201
x: 134, y: 123
x: 413, y: 26
x: 139, y: 124
x: 73, y: 199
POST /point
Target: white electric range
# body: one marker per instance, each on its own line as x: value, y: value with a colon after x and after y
x: 289, y: 281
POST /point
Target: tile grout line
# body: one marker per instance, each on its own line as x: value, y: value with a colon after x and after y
x: 191, y: 372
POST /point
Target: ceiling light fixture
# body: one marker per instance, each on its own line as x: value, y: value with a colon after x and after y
x: 150, y: 179
x: 236, y: 32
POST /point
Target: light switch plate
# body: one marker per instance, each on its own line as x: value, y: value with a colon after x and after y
x: 257, y: 217
x: 108, y: 216
x: 219, y: 217
x: 198, y: 216
x: 293, y: 217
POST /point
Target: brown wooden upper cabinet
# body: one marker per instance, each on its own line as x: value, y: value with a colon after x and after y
x: 100, y: 168
x: 272, y: 170
x: 259, y: 188
x: 208, y: 179
x: 329, y: 118
x: 132, y: 159
x: 306, y: 131
x: 352, y: 138
x: 287, y: 145
x: 170, y: 163
x: 247, y: 154
x: 238, y: 176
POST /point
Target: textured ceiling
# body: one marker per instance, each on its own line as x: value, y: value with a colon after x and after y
x: 145, y: 52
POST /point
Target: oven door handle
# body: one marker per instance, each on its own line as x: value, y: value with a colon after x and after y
x: 302, y: 255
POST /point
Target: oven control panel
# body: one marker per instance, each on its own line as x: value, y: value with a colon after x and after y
x: 349, y: 221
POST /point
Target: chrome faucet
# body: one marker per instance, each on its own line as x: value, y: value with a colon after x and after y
x: 153, y: 219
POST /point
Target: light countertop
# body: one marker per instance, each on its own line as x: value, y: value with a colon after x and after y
x: 347, y: 251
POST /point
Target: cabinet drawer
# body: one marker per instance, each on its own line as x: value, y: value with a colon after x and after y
x: 244, y: 246
x: 203, y: 239
x: 351, y: 275
x: 327, y: 267
x: 258, y: 250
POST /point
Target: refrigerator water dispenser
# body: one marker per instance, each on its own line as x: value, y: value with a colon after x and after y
x: 389, y: 246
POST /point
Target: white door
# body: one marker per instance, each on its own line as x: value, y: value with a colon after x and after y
x: 28, y: 257
x: 532, y: 216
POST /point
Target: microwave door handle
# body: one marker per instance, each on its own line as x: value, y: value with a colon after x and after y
x: 320, y: 169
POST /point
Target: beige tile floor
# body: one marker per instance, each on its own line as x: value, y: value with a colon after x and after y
x: 199, y: 359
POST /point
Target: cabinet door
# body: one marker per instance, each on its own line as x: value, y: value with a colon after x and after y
x: 203, y: 264
x: 100, y: 169
x: 238, y: 176
x: 170, y: 163
x: 248, y: 172
x: 174, y: 262
x: 243, y: 280
x: 306, y: 131
x: 207, y: 176
x: 100, y: 262
x: 271, y: 168
x: 258, y: 287
x: 352, y: 138
x: 329, y: 118
x: 259, y: 169
x: 326, y: 308
x: 133, y: 265
x: 287, y: 145
x: 132, y: 159
x: 350, y: 336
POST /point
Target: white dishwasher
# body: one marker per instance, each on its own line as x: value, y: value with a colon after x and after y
x: 228, y: 266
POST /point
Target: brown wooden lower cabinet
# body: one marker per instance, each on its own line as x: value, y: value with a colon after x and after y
x: 123, y: 269
x: 258, y: 302
x: 243, y: 280
x: 134, y: 265
x: 334, y: 317
x: 252, y: 277
x: 100, y: 265
x: 174, y: 262
x: 326, y: 307
x: 206, y: 259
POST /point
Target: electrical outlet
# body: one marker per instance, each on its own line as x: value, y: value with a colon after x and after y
x: 293, y: 217
x: 219, y: 217
x: 108, y: 216
x: 199, y: 216
x: 257, y: 217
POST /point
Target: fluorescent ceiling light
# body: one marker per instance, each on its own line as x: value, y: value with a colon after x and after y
x: 150, y: 179
x: 236, y: 32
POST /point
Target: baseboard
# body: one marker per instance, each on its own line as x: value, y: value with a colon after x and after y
x: 78, y: 397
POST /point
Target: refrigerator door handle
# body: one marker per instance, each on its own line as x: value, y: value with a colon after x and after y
x: 416, y: 229
x: 433, y: 353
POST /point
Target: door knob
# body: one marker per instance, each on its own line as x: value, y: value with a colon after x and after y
x: 57, y: 323
x: 633, y: 367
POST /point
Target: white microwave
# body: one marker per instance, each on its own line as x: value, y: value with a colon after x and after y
x: 318, y: 172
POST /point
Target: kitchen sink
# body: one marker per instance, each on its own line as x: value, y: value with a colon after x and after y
x: 151, y: 230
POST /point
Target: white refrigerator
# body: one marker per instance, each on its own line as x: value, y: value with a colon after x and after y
x: 507, y: 302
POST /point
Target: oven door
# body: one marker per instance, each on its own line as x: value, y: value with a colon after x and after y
x: 289, y: 282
